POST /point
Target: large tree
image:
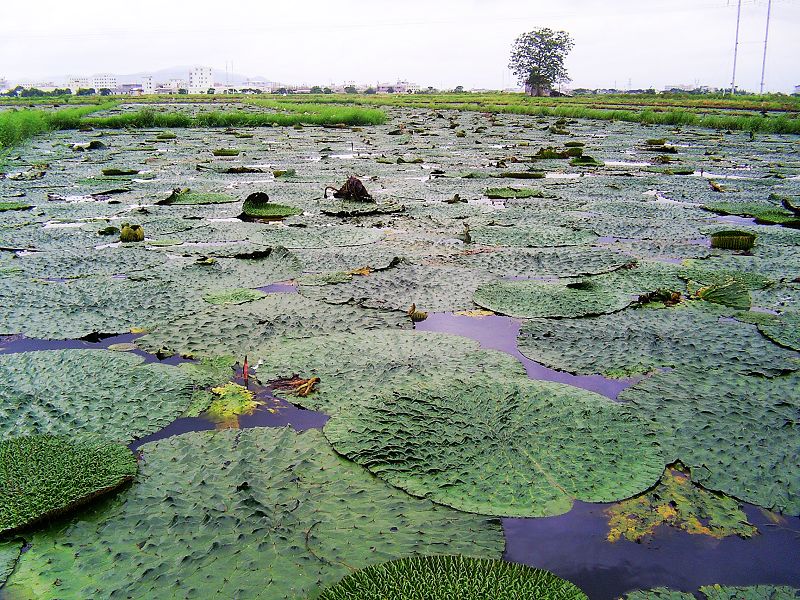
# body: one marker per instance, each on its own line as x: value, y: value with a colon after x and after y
x: 537, y: 59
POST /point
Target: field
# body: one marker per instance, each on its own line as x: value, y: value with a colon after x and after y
x: 535, y: 343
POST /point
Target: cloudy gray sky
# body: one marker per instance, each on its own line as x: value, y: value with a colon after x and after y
x: 443, y: 43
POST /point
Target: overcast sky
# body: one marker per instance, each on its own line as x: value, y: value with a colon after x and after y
x: 442, y: 43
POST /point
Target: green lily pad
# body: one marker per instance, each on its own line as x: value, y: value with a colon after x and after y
x: 66, y: 392
x: 494, y: 453
x: 641, y: 340
x: 768, y: 214
x: 319, y: 237
x: 532, y: 299
x: 449, y: 577
x: 720, y: 592
x: 250, y: 328
x: 356, y: 365
x: 432, y: 288
x: 234, y: 296
x: 4, y: 206
x: 506, y: 193
x: 42, y: 476
x: 564, y: 262
x: 752, y: 592
x: 258, y: 206
x: 9, y: 554
x: 349, y: 208
x: 783, y: 329
x: 733, y: 430
x: 539, y: 236
x: 261, y: 512
x: 188, y: 197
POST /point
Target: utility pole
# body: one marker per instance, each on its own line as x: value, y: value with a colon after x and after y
x: 736, y: 47
x: 766, y: 38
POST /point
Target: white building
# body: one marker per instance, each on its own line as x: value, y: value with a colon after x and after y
x: 177, y: 84
x: 200, y: 80
x: 77, y: 83
x: 797, y: 89
x: 104, y: 81
x: 147, y: 85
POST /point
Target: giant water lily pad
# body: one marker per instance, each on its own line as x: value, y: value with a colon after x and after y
x: 255, y: 513
x: 510, y: 447
x: 677, y: 502
x: 641, y: 340
x: 85, y: 306
x: 720, y: 592
x: 529, y: 299
x: 65, y: 392
x: 432, y: 288
x: 733, y: 430
x: 539, y: 236
x: 319, y: 237
x: 563, y: 262
x: 358, y: 365
x: 42, y: 476
x: 250, y: 328
x: 783, y: 329
x: 449, y: 577
x: 9, y: 554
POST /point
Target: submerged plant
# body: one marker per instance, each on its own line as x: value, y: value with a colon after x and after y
x: 230, y: 401
x: 677, y: 502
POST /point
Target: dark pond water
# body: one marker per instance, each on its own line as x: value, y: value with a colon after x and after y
x: 500, y: 333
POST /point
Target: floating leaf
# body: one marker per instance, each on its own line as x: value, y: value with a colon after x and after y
x: 450, y: 577
x: 530, y: 299
x: 42, y: 476
x: 66, y: 392
x: 510, y: 447
x: 732, y: 430
x: 234, y: 296
x: 641, y: 340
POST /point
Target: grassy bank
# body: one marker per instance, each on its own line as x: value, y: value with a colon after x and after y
x: 715, y: 113
x: 16, y: 126
x: 282, y: 115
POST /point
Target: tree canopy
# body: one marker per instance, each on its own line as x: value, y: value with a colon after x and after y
x: 537, y: 59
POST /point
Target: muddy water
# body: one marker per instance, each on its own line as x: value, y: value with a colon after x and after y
x: 574, y: 545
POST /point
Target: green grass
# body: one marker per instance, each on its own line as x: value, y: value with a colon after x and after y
x: 710, y: 112
x: 16, y: 126
x: 286, y: 115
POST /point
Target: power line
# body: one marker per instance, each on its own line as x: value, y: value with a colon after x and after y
x: 736, y: 47
x: 766, y: 38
